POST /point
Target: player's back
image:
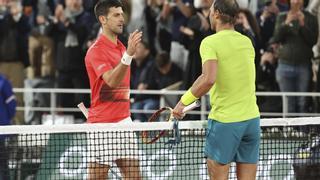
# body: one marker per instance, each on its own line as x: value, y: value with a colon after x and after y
x: 233, y: 95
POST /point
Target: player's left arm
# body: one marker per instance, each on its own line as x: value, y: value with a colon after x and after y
x: 199, y: 88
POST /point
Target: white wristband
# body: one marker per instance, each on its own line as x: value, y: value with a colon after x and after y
x: 126, y: 59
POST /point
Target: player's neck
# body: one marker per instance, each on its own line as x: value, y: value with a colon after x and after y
x: 111, y: 36
x: 221, y: 27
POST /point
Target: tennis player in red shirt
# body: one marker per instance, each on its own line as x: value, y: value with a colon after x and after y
x: 108, y: 66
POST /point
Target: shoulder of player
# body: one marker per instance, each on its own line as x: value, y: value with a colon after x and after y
x: 95, y: 51
x: 97, y: 46
x: 210, y: 39
x: 246, y: 38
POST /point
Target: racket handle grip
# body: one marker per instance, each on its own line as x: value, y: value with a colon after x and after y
x: 83, y: 109
x: 191, y: 106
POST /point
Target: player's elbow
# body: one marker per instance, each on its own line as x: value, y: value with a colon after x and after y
x: 208, y: 85
x: 112, y: 84
x: 209, y: 82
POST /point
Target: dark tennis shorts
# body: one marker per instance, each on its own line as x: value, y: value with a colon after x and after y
x: 233, y: 142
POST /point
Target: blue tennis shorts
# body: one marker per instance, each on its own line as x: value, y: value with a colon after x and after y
x: 233, y: 142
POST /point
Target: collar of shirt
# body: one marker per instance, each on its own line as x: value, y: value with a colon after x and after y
x: 109, y: 43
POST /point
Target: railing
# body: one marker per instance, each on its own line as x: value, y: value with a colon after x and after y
x: 53, y: 109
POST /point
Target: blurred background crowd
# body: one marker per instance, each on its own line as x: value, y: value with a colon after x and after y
x: 43, y: 44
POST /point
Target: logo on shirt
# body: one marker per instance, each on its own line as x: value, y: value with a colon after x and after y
x: 101, y: 66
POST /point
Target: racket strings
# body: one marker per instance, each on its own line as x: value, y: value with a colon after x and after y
x: 162, y: 115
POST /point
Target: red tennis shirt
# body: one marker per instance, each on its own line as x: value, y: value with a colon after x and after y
x: 108, y: 105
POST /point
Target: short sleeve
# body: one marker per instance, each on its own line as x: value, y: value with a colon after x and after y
x: 207, y: 51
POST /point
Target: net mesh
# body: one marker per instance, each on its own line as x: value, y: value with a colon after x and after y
x: 290, y: 149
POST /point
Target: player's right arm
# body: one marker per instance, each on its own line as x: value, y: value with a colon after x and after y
x: 115, y: 76
x: 199, y: 88
x: 206, y: 80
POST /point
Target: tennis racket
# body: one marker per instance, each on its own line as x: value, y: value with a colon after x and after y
x: 163, y: 114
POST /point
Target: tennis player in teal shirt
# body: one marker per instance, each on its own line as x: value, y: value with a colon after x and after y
x: 228, y: 74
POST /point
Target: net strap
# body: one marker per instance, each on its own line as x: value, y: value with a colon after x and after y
x: 176, y: 139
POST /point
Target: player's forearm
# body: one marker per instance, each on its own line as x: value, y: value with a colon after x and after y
x: 114, y: 77
x: 201, y: 86
x: 203, y: 83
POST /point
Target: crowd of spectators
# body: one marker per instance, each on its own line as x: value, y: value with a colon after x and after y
x: 48, y: 39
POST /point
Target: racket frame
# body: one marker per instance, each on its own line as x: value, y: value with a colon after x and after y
x: 151, y: 119
x: 169, y: 119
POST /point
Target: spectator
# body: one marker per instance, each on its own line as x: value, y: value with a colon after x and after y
x: 164, y: 24
x: 93, y: 36
x: 143, y: 60
x: 7, y: 112
x: 162, y: 74
x: 181, y: 11
x: 247, y: 25
x: 266, y: 18
x: 158, y: 26
x: 32, y: 8
x: 151, y: 12
x: 266, y: 80
x: 296, y: 31
x: 197, y: 28
x: 136, y: 20
x: 71, y: 28
x: 14, y: 30
x: 41, y: 49
x: 314, y: 8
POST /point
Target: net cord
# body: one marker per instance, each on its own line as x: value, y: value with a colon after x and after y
x: 103, y: 127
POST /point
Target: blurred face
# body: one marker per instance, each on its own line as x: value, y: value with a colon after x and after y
x: 165, y: 69
x: 113, y: 21
x: 15, y: 8
x: 241, y: 18
x: 73, y: 4
x: 296, y: 4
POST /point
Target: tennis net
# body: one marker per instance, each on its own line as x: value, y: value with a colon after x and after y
x: 290, y: 149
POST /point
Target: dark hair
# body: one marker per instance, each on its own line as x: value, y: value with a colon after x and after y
x: 103, y: 6
x: 228, y: 10
x: 252, y: 22
x: 162, y: 59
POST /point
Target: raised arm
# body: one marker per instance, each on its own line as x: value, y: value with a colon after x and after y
x: 115, y: 76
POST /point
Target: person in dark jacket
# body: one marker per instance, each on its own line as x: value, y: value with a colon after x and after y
x: 7, y: 112
x: 296, y: 31
x: 143, y: 60
x: 14, y: 58
x: 71, y: 29
x: 266, y: 18
x: 161, y: 74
